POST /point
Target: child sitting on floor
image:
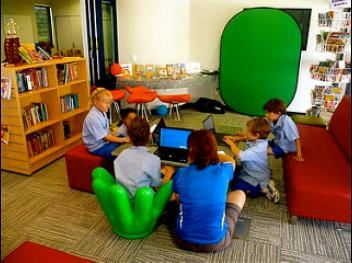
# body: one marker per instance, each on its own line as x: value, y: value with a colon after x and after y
x: 254, y: 176
x: 135, y: 166
x: 285, y: 130
x: 127, y: 115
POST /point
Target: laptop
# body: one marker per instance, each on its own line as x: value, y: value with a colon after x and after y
x: 208, y: 123
x: 155, y: 131
x: 173, y: 147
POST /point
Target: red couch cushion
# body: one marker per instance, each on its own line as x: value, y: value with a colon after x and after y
x: 34, y: 253
x: 340, y: 125
x: 319, y: 187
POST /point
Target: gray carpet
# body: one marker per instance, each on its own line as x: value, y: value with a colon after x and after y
x: 43, y: 209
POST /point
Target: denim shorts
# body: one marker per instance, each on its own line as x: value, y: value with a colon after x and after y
x: 277, y: 150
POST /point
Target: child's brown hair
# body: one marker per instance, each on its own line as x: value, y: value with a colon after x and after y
x: 139, y: 131
x: 275, y: 105
x: 259, y: 125
x: 100, y: 93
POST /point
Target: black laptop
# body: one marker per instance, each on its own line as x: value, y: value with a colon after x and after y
x: 173, y: 145
x: 208, y: 124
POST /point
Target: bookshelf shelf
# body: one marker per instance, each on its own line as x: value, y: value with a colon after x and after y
x: 34, y: 118
x: 47, y: 152
x: 73, y: 139
x: 41, y: 125
x: 31, y: 93
x: 70, y: 114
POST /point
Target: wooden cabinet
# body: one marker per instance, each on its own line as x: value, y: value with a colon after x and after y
x: 46, y: 120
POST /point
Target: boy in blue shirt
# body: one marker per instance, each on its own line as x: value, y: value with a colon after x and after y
x: 254, y: 176
x: 96, y: 134
x: 285, y: 130
x: 135, y: 166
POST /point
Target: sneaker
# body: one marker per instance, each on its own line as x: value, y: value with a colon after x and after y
x: 273, y: 192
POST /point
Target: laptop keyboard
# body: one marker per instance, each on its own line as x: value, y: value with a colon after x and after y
x: 171, y: 156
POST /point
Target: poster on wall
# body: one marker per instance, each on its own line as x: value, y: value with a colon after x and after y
x: 339, y: 3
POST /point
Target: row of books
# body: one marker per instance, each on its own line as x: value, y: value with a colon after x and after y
x: 32, y: 79
x: 38, y: 142
x: 162, y: 71
x: 66, y: 73
x: 34, y: 114
x: 69, y: 102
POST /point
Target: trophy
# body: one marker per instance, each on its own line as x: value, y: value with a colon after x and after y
x: 12, y: 43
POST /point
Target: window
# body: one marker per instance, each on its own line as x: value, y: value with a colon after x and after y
x: 43, y: 17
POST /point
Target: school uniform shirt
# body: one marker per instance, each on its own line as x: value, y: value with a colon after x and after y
x: 122, y: 131
x: 285, y: 131
x: 95, y: 128
x: 254, y: 159
x: 203, y: 194
x: 136, y: 167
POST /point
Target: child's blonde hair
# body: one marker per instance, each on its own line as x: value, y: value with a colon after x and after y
x: 259, y: 125
x: 99, y: 94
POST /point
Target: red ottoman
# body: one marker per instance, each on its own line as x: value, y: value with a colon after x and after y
x: 29, y: 252
x: 79, y: 165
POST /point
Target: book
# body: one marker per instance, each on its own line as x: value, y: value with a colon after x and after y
x: 162, y: 72
x: 149, y: 71
x: 137, y: 71
x: 5, y: 134
x: 170, y: 70
x: 5, y: 88
x: 126, y: 72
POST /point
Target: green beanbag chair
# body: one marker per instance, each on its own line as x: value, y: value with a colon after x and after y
x: 130, y: 219
x: 259, y: 59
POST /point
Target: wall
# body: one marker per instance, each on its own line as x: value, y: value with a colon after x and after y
x: 156, y: 31
x: 160, y: 31
x: 23, y: 14
x: 68, y: 23
x: 67, y: 12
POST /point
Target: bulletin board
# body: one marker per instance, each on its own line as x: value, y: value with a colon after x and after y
x: 259, y: 59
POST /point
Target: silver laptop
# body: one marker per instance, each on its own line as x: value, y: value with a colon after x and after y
x: 208, y: 123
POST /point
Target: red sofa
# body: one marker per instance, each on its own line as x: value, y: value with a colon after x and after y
x: 320, y: 187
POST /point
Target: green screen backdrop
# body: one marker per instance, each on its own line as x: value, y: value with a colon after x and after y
x: 259, y: 59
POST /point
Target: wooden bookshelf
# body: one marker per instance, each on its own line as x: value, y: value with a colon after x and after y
x: 16, y: 155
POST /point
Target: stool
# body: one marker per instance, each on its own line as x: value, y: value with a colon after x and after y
x: 174, y: 100
x: 79, y: 165
x: 141, y: 99
x: 117, y: 95
x: 137, y: 89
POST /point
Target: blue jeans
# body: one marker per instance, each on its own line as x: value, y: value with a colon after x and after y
x: 278, y: 152
x: 106, y: 150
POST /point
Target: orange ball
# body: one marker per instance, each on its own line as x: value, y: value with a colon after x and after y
x: 115, y: 69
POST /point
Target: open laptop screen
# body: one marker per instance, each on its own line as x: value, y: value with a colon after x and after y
x: 208, y: 123
x: 174, y: 138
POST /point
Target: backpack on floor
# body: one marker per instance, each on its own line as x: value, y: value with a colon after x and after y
x: 210, y: 106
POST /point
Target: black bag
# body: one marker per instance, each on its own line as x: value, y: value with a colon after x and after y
x: 210, y: 106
